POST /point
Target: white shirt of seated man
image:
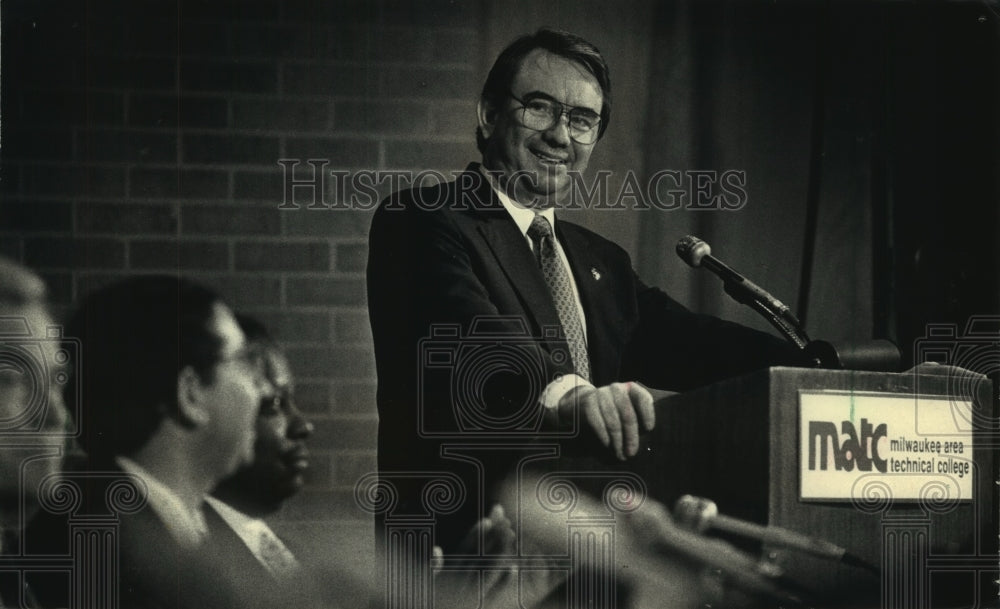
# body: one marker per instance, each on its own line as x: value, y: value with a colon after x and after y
x: 260, y: 539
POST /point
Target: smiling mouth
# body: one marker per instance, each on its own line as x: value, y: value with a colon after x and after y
x: 547, y: 159
x: 298, y: 461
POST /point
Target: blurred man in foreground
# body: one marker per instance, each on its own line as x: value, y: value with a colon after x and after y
x: 32, y: 416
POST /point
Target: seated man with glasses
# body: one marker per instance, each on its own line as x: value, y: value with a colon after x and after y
x: 169, y: 391
x: 495, y: 322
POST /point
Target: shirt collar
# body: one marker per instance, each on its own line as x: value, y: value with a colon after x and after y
x: 522, y: 215
x: 187, y: 527
x: 249, y: 529
x: 246, y: 526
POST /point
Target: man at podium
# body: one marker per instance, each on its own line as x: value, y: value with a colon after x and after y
x: 494, y: 320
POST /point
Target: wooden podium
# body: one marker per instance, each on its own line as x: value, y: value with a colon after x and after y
x: 740, y: 443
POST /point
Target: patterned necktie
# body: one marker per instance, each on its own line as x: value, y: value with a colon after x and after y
x: 276, y: 556
x: 563, y: 297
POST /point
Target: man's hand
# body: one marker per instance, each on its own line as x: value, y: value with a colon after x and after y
x: 614, y: 412
x: 495, y: 532
x: 491, y: 588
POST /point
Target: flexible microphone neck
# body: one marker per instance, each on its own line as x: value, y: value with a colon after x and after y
x: 698, y: 254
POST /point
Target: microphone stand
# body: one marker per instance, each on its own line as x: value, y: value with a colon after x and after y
x: 784, y: 321
x: 797, y: 337
x: 875, y: 355
x: 819, y: 354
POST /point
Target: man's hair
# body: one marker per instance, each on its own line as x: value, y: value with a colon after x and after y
x: 136, y: 336
x: 569, y: 46
x: 254, y: 330
x: 257, y: 333
x: 19, y: 286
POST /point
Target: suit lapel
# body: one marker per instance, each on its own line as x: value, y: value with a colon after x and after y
x: 514, y: 258
x: 229, y: 544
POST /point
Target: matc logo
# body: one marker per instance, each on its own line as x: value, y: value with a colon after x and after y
x: 853, y: 451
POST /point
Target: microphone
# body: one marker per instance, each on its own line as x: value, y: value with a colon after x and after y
x: 661, y: 557
x: 696, y: 253
x: 699, y: 514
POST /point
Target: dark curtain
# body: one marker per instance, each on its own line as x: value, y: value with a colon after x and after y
x: 868, y: 135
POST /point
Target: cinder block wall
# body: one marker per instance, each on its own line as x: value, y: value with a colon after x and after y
x: 142, y: 137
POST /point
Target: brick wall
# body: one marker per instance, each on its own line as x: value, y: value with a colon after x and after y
x: 145, y: 137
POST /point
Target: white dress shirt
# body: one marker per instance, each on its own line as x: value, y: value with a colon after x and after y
x: 259, y: 538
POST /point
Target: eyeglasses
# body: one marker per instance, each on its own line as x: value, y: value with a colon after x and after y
x: 276, y: 403
x: 251, y: 356
x: 541, y: 114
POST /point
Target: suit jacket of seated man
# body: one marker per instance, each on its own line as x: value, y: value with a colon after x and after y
x: 227, y: 539
x: 442, y: 257
x: 150, y: 559
x: 298, y: 585
x: 155, y: 570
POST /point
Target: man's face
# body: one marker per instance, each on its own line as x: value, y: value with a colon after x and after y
x: 234, y: 396
x: 280, y: 454
x: 22, y: 394
x: 547, y: 156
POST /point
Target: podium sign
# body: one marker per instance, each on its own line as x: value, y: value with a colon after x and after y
x: 906, y: 444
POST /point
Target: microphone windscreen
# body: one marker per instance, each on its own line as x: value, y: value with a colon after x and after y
x: 692, y: 250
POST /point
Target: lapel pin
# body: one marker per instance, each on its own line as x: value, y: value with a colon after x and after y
x: 597, y: 276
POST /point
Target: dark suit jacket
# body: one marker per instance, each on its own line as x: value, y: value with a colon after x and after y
x: 15, y: 592
x: 153, y: 570
x: 225, y: 542
x: 311, y: 588
x: 442, y: 257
